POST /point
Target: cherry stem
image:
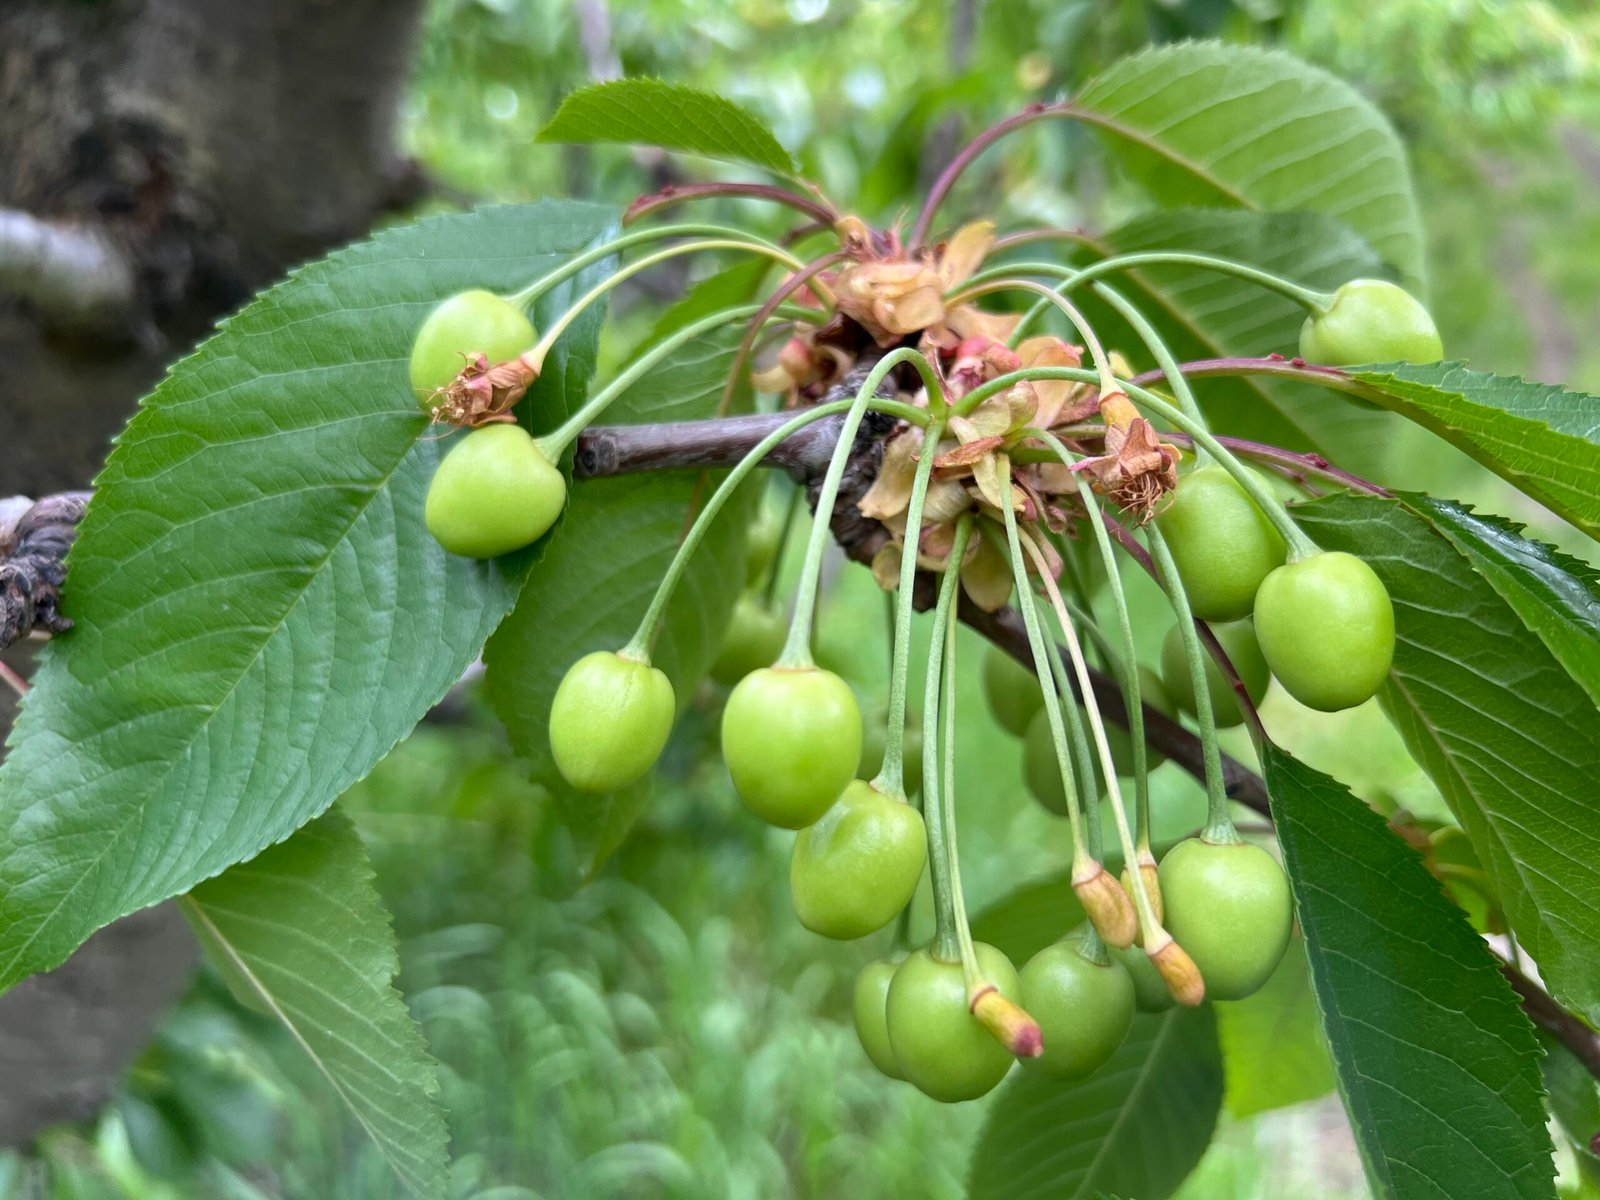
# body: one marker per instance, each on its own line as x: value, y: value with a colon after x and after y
x: 1219, y: 824
x: 1149, y: 925
x: 947, y: 797
x: 747, y: 343
x: 594, y: 254
x: 947, y: 943
x: 891, y: 778
x: 554, y: 444
x: 535, y: 357
x: 1313, y: 300
x: 1127, y: 667
x: 1300, y: 545
x: 1083, y: 862
x: 797, y: 648
x: 653, y: 202
x: 1097, y: 355
x: 643, y: 640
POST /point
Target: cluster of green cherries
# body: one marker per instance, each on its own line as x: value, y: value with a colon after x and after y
x: 952, y: 1018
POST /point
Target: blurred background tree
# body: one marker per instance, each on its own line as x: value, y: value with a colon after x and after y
x: 670, y: 1030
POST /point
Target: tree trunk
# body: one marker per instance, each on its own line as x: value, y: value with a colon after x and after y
x: 160, y: 160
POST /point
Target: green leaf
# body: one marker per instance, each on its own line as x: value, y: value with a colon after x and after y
x: 1507, y: 735
x: 1575, y: 1102
x: 1273, y: 1050
x: 1542, y: 438
x: 1206, y: 314
x: 1555, y: 595
x: 1437, y: 1065
x: 260, y: 613
x: 730, y: 288
x: 1030, y: 918
x: 1206, y: 124
x: 601, y: 568
x: 1137, y: 1126
x: 650, y: 112
x: 302, y: 927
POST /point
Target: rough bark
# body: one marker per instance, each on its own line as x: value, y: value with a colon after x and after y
x: 160, y: 161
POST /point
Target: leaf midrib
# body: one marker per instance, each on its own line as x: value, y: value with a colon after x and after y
x: 1146, y: 1069
x: 198, y: 913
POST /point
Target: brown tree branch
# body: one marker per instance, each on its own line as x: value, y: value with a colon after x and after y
x: 32, y: 566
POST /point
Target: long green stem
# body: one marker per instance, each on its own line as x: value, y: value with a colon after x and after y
x: 554, y: 444
x: 1129, y: 672
x: 1315, y: 301
x: 946, y: 944
x: 1218, y: 821
x: 947, y: 800
x: 593, y: 255
x: 1300, y: 545
x: 891, y: 778
x: 639, y: 646
x: 541, y: 349
x: 1083, y: 866
x: 797, y: 648
x: 1148, y: 921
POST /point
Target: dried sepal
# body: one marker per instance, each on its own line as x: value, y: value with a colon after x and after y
x: 483, y: 392
x: 1106, y: 905
x: 1008, y: 1021
x: 1176, y: 968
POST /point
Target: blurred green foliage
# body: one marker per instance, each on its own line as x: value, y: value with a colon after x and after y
x: 671, y: 1030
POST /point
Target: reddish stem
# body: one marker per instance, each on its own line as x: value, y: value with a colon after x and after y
x: 963, y: 159
x: 758, y: 322
x: 680, y: 193
x: 14, y: 681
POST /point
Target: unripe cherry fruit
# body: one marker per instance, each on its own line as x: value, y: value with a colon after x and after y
x: 1370, y: 321
x: 609, y: 721
x: 754, y: 639
x: 1238, y: 638
x: 466, y: 323
x: 792, y: 739
x: 1084, y: 1009
x: 1150, y: 992
x: 874, y: 741
x: 1012, y: 691
x: 1040, y: 770
x: 856, y: 868
x: 495, y: 492
x: 870, y: 1010
x: 1228, y: 905
x: 1326, y: 627
x: 938, y: 1044
x: 1222, y: 543
x: 761, y: 545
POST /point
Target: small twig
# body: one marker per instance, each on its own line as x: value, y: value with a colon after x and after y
x: 1545, y: 1012
x: 32, y: 566
x: 679, y: 193
x: 13, y: 680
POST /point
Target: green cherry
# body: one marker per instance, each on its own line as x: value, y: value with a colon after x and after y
x: 1084, y: 1009
x: 495, y: 492
x: 1150, y: 992
x: 1012, y: 691
x: 870, y: 1010
x: 609, y: 721
x: 1371, y: 320
x: 1239, y: 640
x: 792, y: 739
x: 856, y: 868
x: 753, y: 640
x: 466, y: 323
x: 938, y: 1044
x: 1228, y: 905
x: 1040, y: 771
x: 761, y: 546
x: 1221, y: 541
x: 1327, y: 630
